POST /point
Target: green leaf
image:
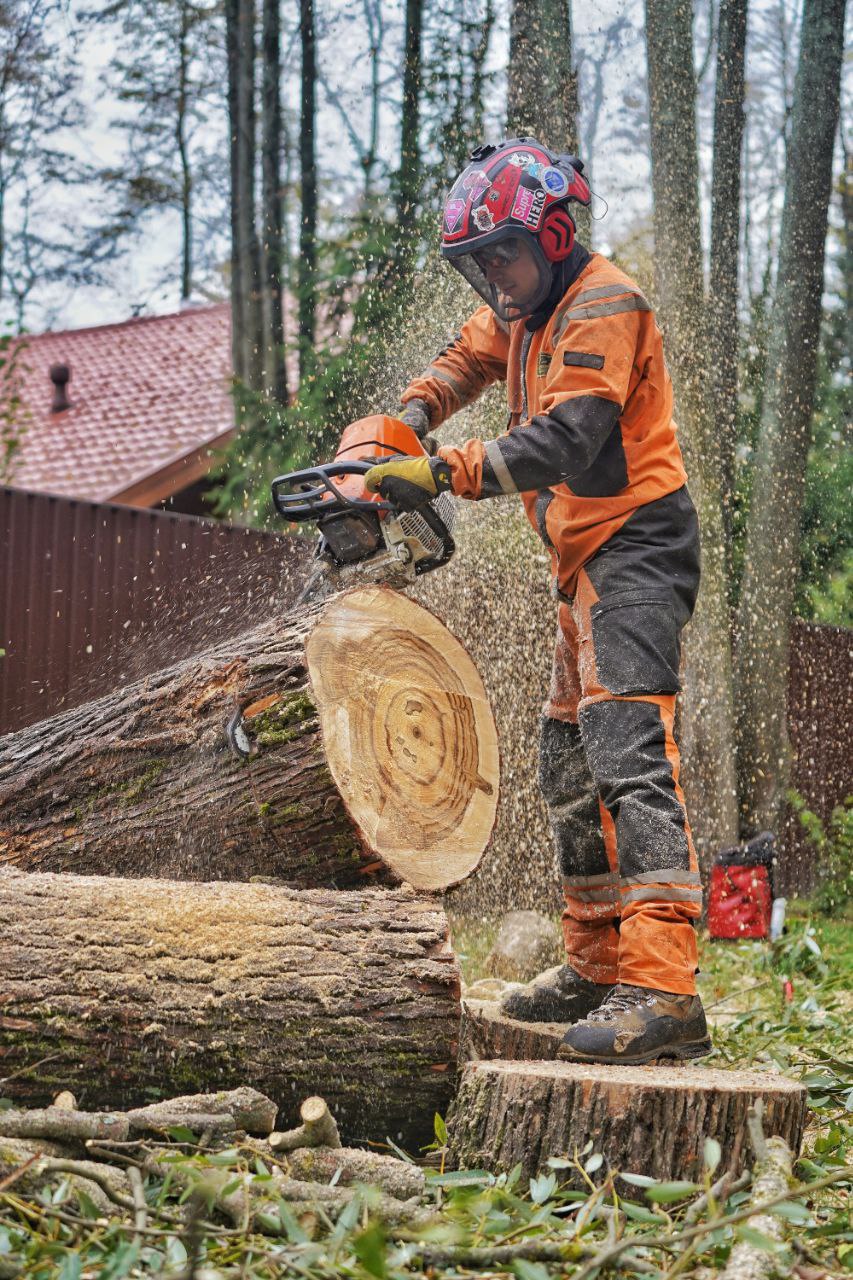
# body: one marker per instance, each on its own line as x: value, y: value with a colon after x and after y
x: 525, y: 1270
x: 176, y: 1254
x: 541, y: 1189
x: 594, y: 1162
x: 669, y: 1192
x: 122, y: 1262
x: 180, y: 1133
x: 440, y: 1130
x: 639, y: 1212
x: 224, y: 1158
x: 71, y: 1269
x: 398, y: 1151
x: 638, y: 1179
x: 791, y: 1210
x: 712, y: 1154
x: 460, y: 1178
x: 369, y: 1248
x: 6, y: 1104
x: 560, y: 1162
x: 758, y: 1239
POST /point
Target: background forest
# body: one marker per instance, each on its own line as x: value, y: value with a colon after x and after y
x: 293, y: 158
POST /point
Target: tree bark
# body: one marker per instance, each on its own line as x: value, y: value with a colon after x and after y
x: 372, y: 752
x: 708, y: 732
x: 649, y: 1120
x: 409, y: 178
x: 725, y: 243
x: 275, y: 371
x: 245, y: 297
x: 308, y: 175
x: 773, y: 531
x: 542, y: 86
x: 115, y: 988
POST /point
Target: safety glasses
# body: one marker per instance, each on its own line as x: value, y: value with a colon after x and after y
x: 499, y: 255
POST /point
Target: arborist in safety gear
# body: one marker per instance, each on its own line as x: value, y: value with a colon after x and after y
x: 591, y: 449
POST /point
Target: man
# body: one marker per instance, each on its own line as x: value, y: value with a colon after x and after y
x: 591, y: 449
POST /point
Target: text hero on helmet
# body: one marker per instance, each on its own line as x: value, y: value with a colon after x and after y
x: 506, y: 222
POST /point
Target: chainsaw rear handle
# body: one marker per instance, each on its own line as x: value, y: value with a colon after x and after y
x: 309, y: 494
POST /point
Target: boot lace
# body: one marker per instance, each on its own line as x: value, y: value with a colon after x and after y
x: 620, y: 1000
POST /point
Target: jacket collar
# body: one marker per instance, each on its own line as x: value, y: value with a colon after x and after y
x: 565, y: 274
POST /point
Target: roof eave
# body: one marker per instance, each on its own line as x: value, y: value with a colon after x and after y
x: 178, y: 473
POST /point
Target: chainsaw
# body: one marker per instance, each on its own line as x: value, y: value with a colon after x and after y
x: 364, y: 539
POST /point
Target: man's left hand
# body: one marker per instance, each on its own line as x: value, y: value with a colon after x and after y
x: 409, y: 482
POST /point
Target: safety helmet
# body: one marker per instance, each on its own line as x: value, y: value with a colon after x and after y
x: 516, y: 190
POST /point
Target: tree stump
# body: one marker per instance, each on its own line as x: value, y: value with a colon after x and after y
x: 370, y: 750
x: 650, y: 1120
x: 128, y: 990
x: 486, y: 1033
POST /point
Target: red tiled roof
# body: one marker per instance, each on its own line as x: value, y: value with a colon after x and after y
x: 149, y: 404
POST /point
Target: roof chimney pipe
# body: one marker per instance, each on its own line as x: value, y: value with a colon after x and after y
x: 60, y: 376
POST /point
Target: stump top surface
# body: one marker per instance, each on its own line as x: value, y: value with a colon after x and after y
x: 654, y: 1076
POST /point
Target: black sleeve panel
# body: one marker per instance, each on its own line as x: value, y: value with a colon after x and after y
x: 550, y: 448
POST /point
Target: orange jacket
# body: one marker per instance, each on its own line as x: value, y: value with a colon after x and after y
x: 590, y: 435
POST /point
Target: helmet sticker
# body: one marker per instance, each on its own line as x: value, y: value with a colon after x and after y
x: 555, y: 182
x: 476, y: 183
x: 500, y: 198
x: 522, y: 158
x: 483, y: 219
x: 453, y: 211
x: 522, y: 203
x: 534, y: 216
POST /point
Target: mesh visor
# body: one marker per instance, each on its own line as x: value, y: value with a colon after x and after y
x: 466, y: 264
x: 504, y: 308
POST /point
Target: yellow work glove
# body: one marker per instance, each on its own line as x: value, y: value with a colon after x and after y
x: 409, y: 482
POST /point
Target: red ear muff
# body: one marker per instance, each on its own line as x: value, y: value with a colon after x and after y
x: 557, y: 235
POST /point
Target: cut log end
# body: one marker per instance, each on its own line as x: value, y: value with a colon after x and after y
x: 408, y: 734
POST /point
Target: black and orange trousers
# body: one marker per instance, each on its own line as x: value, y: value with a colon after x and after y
x: 609, y: 764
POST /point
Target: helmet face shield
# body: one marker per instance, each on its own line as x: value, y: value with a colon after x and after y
x: 476, y: 266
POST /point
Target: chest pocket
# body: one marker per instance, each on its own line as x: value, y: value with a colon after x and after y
x: 608, y: 475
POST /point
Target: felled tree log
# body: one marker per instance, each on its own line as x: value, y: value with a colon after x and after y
x: 119, y: 988
x: 371, y: 750
x: 650, y: 1120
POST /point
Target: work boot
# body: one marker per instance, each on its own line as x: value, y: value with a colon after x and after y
x: 636, y: 1024
x: 557, y: 995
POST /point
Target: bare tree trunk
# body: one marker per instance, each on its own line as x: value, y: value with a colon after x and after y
x: 240, y: 35
x: 708, y: 732
x: 542, y: 89
x: 275, y: 372
x: 773, y: 531
x: 725, y: 240
x: 408, y: 190
x: 183, y: 154
x: 308, y: 172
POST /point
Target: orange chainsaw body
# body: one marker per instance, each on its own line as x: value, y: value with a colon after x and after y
x: 374, y: 438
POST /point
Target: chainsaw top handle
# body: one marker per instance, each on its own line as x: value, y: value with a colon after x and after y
x: 309, y: 494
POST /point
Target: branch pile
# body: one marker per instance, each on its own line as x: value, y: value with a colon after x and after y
x: 295, y: 1201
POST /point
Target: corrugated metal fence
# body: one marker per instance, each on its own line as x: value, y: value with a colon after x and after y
x: 93, y: 594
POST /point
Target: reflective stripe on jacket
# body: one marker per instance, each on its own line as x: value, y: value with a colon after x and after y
x: 591, y: 435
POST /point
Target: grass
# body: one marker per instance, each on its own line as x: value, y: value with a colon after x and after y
x: 780, y: 1007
